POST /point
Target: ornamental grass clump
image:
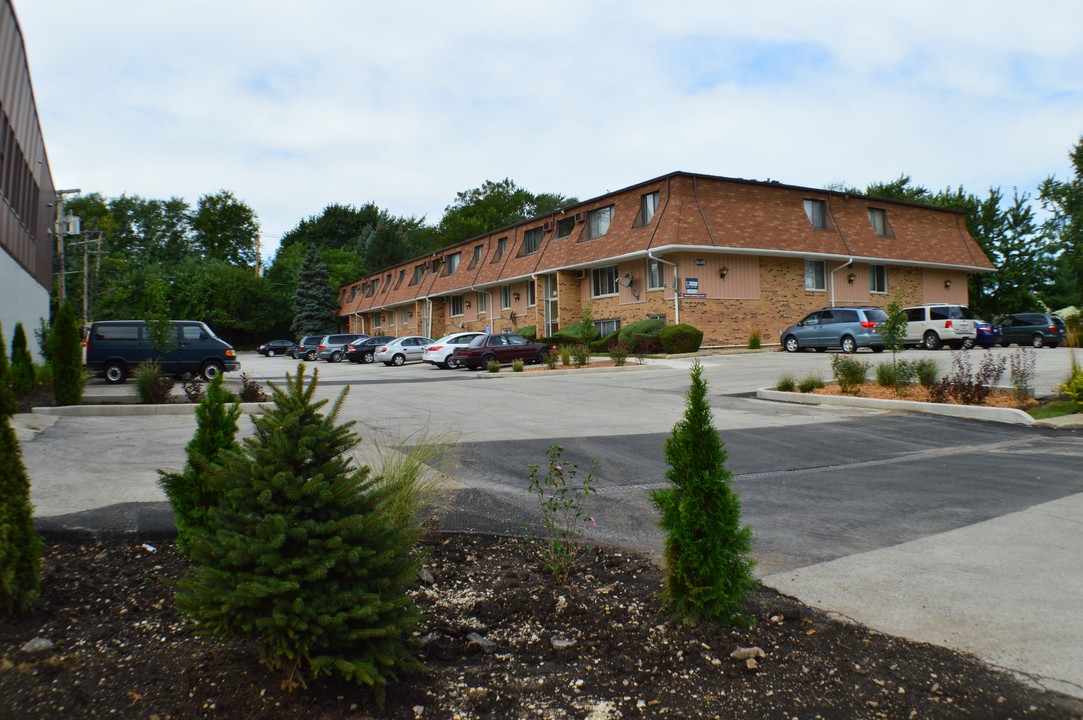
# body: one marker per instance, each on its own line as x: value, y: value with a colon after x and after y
x: 307, y: 555
x: 152, y: 385
x: 492, y: 366
x: 786, y: 383
x: 707, y: 556
x: 810, y: 383
x: 1021, y: 365
x: 517, y: 365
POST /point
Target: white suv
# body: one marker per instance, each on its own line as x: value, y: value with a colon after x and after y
x: 930, y: 326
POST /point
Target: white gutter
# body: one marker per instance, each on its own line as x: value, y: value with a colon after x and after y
x: 846, y: 264
x: 676, y: 294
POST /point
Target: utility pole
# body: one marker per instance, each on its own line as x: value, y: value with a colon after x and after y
x: 60, y: 229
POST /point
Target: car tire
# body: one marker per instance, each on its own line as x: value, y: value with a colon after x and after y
x: 791, y: 344
x: 931, y: 341
x: 452, y: 363
x: 211, y: 370
x: 877, y: 348
x: 336, y: 356
x: 849, y: 345
x: 543, y: 356
x: 368, y: 358
x: 1037, y: 340
x: 310, y: 355
x: 398, y: 360
x: 115, y: 372
x: 386, y: 362
x: 1052, y: 346
x: 486, y: 360
x: 271, y: 353
x: 968, y: 344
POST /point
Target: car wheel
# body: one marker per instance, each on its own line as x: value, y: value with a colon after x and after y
x: 1052, y: 346
x: 211, y: 370
x: 452, y: 363
x: 849, y: 346
x: 791, y: 344
x: 1037, y: 341
x: 487, y: 359
x: 387, y: 362
x: 968, y: 344
x: 931, y: 341
x: 367, y: 358
x: 877, y: 348
x: 271, y: 353
x: 336, y: 356
x: 310, y: 355
x: 543, y: 355
x: 398, y: 360
x: 1004, y: 343
x: 116, y: 372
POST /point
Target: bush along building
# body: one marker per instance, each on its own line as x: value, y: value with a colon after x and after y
x: 728, y: 256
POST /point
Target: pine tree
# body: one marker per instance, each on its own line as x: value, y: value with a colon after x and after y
x: 192, y: 493
x: 708, y: 570
x: 67, y: 357
x: 314, y: 302
x: 20, y: 546
x: 304, y: 554
x: 22, y: 363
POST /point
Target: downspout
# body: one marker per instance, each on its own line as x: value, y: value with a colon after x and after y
x: 676, y: 295
x: 838, y: 229
x: 428, y: 317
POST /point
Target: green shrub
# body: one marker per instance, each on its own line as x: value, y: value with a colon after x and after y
x: 966, y: 387
x: 619, y: 353
x: 20, y: 546
x: 565, y: 351
x: 43, y: 375
x: 643, y: 335
x: 1074, y: 387
x: 1021, y: 371
x: 707, y: 555
x: 551, y: 360
x: 22, y: 364
x: 517, y: 365
x: 66, y: 355
x: 583, y: 331
x: 926, y: 371
x: 897, y: 374
x: 680, y: 339
x: 493, y: 366
x: 309, y: 556
x: 849, y: 372
x: 530, y: 332
x: 152, y: 385
x: 755, y: 339
x: 580, y: 354
x: 786, y: 383
x: 810, y: 383
x: 562, y: 505
x: 192, y: 493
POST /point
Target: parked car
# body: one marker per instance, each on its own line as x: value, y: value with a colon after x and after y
x: 503, y: 348
x: 362, y: 351
x: 442, y: 352
x: 277, y: 347
x: 986, y: 335
x: 1034, y: 329
x: 847, y: 328
x: 116, y: 347
x: 332, y: 347
x: 935, y: 324
x: 408, y: 348
x: 306, y: 349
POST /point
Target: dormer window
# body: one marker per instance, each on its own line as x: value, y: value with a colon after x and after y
x: 878, y: 220
x: 816, y: 210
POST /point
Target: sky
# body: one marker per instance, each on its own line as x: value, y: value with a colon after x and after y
x: 293, y: 106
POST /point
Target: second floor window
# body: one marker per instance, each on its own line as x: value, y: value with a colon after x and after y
x: 452, y: 263
x: 599, y: 221
x: 532, y: 240
x: 655, y: 279
x: 878, y: 220
x: 817, y: 213
x: 648, y: 205
x: 565, y: 227
x: 501, y: 247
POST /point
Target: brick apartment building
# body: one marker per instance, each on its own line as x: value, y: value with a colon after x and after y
x: 725, y: 255
x: 27, y: 196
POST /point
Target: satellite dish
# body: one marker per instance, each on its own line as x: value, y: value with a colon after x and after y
x: 627, y: 280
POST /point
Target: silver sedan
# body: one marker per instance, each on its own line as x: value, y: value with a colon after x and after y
x: 409, y: 348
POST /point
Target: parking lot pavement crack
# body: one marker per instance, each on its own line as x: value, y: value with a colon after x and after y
x: 917, y: 456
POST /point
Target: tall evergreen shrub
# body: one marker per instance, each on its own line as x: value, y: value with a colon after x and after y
x: 193, y: 492
x: 708, y: 570
x: 22, y: 363
x: 20, y: 546
x: 67, y: 357
x: 305, y: 555
x: 314, y: 301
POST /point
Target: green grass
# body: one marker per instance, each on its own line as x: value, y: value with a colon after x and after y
x: 1056, y: 408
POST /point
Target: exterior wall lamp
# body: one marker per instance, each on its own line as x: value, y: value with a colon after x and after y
x: 467, y: 303
x: 947, y: 284
x: 515, y: 295
x: 851, y: 277
x: 723, y: 272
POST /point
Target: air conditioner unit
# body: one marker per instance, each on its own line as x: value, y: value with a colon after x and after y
x: 580, y: 274
x: 547, y: 226
x: 580, y: 217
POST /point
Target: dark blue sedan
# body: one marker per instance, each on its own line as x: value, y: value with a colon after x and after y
x: 988, y: 335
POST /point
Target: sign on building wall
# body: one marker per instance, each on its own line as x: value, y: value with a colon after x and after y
x: 691, y: 288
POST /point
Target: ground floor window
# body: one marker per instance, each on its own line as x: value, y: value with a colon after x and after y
x: 877, y: 278
x: 505, y: 297
x: 483, y: 302
x: 456, y: 305
x: 530, y: 293
x: 815, y: 275
x: 606, y: 327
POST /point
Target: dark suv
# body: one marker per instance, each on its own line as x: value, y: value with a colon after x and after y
x: 847, y: 328
x: 1034, y: 329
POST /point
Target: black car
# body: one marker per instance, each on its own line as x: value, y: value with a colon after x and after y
x: 1033, y: 328
x: 277, y: 347
x: 361, y: 351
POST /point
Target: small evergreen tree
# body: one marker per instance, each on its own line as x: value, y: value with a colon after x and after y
x: 191, y: 493
x: 893, y: 332
x: 67, y: 357
x: 20, y: 546
x: 314, y: 302
x: 708, y: 570
x: 304, y: 555
x: 22, y: 363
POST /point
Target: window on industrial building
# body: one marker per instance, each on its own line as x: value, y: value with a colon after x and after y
x: 878, y: 220
x: 565, y: 227
x: 655, y: 278
x: 877, y: 278
x: 648, y: 205
x: 501, y: 248
x: 456, y: 305
x: 603, y: 281
x: 817, y: 213
x: 505, y: 297
x: 815, y: 275
x: 532, y: 240
x: 599, y: 221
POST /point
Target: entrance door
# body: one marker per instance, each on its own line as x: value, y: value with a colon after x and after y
x: 551, y: 306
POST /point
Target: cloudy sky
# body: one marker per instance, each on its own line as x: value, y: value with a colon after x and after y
x: 295, y: 105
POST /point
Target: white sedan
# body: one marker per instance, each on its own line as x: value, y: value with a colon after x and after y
x: 401, y: 350
x: 441, y: 353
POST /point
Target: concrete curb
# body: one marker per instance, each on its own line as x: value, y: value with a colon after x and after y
x: 133, y: 409
x: 483, y: 373
x: 969, y: 412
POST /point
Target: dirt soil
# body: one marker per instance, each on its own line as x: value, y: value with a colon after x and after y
x: 499, y: 639
x: 917, y: 393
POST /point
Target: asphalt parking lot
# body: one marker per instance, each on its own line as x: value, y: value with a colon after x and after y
x: 950, y: 531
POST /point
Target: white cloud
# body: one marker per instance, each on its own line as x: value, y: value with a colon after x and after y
x: 296, y: 106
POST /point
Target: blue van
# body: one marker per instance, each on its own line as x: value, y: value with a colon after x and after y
x: 116, y: 347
